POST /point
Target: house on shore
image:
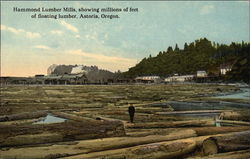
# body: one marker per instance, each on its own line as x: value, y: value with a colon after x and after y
x: 177, y: 78
x: 148, y: 79
x: 202, y: 77
x: 201, y: 74
x: 66, y: 79
x: 224, y: 68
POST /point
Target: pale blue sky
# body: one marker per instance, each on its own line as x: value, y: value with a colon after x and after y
x: 30, y: 46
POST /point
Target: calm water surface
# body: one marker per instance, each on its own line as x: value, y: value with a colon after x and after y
x: 50, y: 119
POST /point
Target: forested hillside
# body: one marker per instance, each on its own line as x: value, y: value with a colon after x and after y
x: 201, y: 54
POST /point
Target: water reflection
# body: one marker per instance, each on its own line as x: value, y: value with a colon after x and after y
x: 50, y: 119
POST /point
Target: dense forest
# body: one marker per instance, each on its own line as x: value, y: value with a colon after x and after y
x: 201, y: 54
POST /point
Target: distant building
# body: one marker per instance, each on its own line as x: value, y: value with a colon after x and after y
x: 201, y: 74
x: 148, y: 79
x: 15, y: 80
x: 74, y: 78
x: 66, y: 79
x: 177, y: 78
x: 224, y: 68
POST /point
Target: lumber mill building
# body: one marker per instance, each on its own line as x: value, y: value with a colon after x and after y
x: 51, y: 80
x: 148, y: 79
x: 65, y: 74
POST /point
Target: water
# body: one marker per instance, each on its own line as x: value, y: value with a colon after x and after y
x: 218, y: 124
x: 50, y: 119
x: 243, y: 94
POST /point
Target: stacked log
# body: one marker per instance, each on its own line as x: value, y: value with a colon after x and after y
x: 235, y: 115
x: 171, y: 145
x: 232, y: 122
x: 190, y: 112
x: 226, y: 143
x: 15, y: 135
x: 173, y: 124
x: 243, y: 154
x: 166, y: 150
x: 92, y: 146
x: 201, y: 131
x: 21, y: 116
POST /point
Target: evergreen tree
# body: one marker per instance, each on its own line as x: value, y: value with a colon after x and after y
x: 185, y: 47
x: 170, y: 49
x: 160, y: 53
x: 199, y: 55
x: 176, y: 48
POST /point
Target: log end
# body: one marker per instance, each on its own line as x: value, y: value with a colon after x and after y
x: 209, y: 147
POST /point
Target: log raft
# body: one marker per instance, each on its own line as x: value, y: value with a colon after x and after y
x: 22, y: 116
x: 156, y: 146
x: 166, y: 150
x: 92, y: 146
x: 190, y: 112
x: 173, y: 124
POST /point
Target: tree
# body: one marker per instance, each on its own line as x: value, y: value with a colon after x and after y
x: 185, y: 47
x: 191, y: 46
x: 201, y: 54
x: 170, y: 49
x: 214, y: 44
x: 160, y: 54
x: 176, y: 48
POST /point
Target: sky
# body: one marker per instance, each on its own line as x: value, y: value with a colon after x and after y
x: 30, y: 45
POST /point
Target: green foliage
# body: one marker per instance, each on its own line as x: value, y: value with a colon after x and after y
x: 176, y: 48
x: 240, y: 71
x: 199, y: 55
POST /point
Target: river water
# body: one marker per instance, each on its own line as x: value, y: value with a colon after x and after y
x: 50, y: 119
x: 244, y: 93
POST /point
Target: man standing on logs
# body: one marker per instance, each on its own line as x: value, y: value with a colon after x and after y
x: 131, y: 111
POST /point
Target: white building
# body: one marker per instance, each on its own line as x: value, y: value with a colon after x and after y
x: 148, y: 79
x: 224, y: 69
x: 177, y: 78
x: 201, y: 74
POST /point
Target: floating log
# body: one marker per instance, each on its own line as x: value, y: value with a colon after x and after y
x: 225, y: 143
x: 32, y: 139
x: 234, y: 122
x: 92, y: 146
x: 147, y: 132
x: 201, y: 131
x: 169, y: 149
x: 16, y: 135
x: 21, y: 122
x: 21, y: 116
x: 243, y: 154
x: 189, y: 123
x: 88, y: 146
x: 190, y: 112
x: 233, y: 115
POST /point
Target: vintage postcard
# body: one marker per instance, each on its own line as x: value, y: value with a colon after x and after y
x: 125, y: 79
